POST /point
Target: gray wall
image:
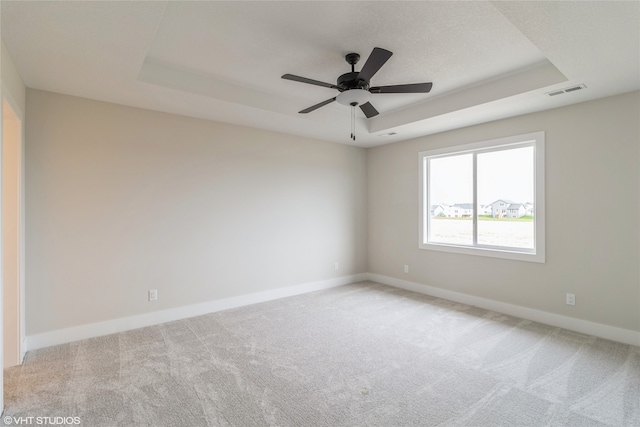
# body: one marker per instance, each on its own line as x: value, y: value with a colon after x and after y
x: 121, y: 200
x: 592, y: 215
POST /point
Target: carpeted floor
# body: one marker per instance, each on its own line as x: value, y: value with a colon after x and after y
x: 357, y: 355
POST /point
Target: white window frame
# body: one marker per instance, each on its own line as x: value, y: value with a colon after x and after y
x: 537, y: 254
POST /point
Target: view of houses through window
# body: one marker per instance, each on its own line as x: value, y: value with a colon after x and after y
x: 503, y: 178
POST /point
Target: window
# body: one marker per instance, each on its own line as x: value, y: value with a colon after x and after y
x: 485, y: 198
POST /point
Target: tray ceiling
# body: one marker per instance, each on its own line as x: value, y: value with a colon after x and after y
x: 223, y: 60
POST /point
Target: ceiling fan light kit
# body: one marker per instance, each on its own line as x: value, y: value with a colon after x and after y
x: 354, y: 97
x: 354, y: 87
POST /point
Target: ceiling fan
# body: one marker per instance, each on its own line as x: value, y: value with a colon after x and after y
x: 354, y: 87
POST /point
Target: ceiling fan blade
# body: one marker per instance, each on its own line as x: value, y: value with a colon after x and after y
x: 315, y: 107
x: 309, y: 81
x: 369, y: 110
x: 375, y: 61
x: 410, y: 88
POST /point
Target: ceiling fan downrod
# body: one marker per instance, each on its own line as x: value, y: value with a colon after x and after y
x: 352, y: 58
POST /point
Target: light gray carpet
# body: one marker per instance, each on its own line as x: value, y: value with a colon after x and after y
x: 357, y: 355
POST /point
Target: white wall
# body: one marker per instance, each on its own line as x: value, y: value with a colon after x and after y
x: 592, y: 166
x: 121, y: 200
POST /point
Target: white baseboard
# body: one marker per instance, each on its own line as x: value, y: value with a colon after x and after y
x: 613, y: 333
x: 23, y: 349
x: 62, y: 336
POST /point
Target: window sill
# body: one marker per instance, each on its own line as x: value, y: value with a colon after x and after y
x: 524, y: 255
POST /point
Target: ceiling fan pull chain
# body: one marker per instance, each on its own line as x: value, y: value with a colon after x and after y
x: 353, y: 122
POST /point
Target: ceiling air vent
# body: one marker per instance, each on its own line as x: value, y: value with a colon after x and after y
x: 567, y: 90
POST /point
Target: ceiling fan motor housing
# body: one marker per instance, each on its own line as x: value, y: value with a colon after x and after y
x: 351, y: 81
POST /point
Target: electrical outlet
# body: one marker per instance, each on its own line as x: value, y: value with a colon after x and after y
x: 571, y: 299
x: 153, y: 294
x: 406, y: 268
x: 336, y: 266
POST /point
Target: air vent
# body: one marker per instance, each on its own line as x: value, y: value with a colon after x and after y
x: 571, y: 89
x: 567, y: 90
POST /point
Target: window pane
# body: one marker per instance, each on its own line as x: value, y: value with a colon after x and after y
x: 505, y: 196
x: 451, y: 199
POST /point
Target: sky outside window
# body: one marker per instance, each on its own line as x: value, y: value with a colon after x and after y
x: 506, y: 174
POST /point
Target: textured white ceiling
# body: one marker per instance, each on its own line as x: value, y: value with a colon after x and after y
x: 223, y: 60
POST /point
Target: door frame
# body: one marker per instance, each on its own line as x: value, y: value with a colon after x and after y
x: 22, y: 342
